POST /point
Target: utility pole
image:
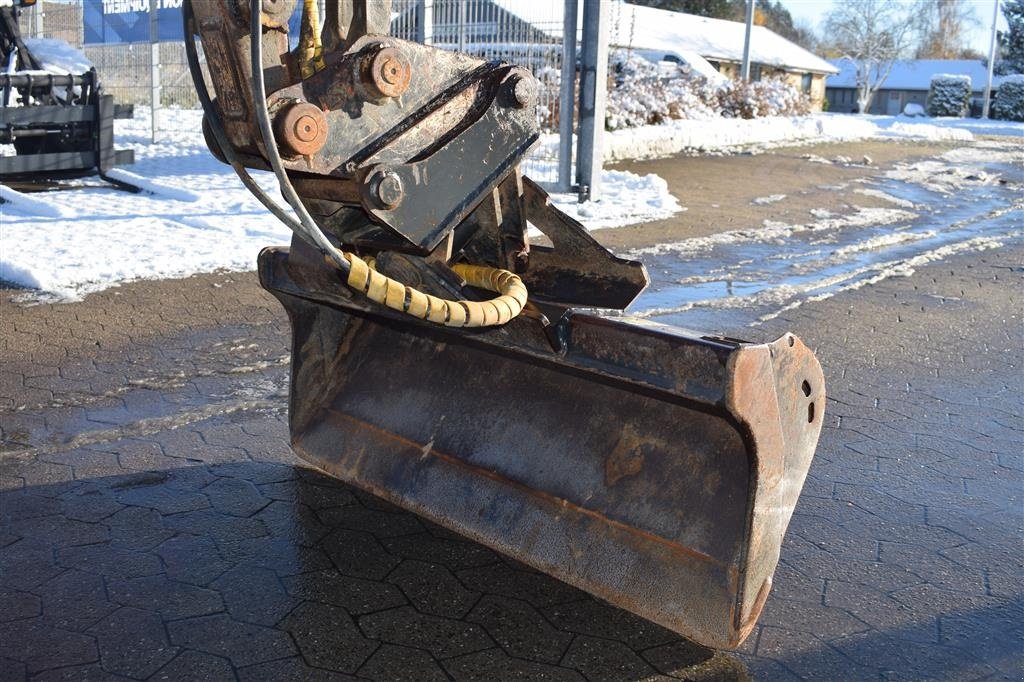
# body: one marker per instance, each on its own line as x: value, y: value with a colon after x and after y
x: 593, y: 95
x: 425, y: 21
x: 154, y: 64
x: 567, y: 97
x: 746, y: 41
x: 991, y: 60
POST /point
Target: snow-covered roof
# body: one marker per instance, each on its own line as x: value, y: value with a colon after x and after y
x: 916, y: 74
x: 713, y: 39
x: 678, y: 34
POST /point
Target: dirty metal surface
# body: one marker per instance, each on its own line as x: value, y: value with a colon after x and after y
x: 677, y: 517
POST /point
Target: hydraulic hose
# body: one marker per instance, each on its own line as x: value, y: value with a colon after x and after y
x: 359, y: 274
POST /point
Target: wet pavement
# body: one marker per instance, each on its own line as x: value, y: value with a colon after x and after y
x: 155, y: 525
x: 935, y: 208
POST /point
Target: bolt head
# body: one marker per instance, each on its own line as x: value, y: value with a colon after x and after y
x: 523, y: 88
x: 389, y: 72
x: 301, y: 129
x: 389, y: 190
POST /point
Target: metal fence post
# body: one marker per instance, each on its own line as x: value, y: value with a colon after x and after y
x: 462, y: 25
x: 37, y: 21
x: 593, y: 94
x: 425, y: 21
x: 154, y: 66
x: 745, y: 68
x: 567, y: 97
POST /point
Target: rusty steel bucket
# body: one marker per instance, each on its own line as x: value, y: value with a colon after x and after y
x: 647, y: 465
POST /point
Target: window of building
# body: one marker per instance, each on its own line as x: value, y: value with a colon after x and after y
x: 805, y: 83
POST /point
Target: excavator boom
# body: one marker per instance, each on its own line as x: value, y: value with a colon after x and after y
x: 438, y: 359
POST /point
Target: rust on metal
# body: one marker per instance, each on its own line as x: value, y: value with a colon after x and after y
x: 388, y: 72
x: 301, y: 129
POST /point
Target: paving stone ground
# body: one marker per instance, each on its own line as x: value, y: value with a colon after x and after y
x: 154, y: 523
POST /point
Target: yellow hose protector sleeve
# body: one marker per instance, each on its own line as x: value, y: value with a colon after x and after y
x: 382, y: 289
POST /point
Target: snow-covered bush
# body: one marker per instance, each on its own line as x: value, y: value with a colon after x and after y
x: 949, y: 95
x: 772, y: 97
x: 644, y: 93
x: 1009, y: 102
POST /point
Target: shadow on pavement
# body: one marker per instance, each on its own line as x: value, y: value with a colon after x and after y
x: 275, y: 571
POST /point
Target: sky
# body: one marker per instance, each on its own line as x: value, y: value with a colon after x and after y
x: 813, y: 12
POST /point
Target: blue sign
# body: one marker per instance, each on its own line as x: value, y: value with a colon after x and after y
x: 108, y: 22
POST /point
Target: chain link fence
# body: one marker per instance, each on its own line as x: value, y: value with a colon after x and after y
x: 524, y: 32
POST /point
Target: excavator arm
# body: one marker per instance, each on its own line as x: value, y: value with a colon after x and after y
x: 438, y: 360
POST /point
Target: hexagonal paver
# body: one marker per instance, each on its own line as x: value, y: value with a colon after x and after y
x: 290, y: 670
x: 16, y: 605
x: 235, y: 497
x: 442, y: 637
x: 356, y: 595
x: 133, y: 643
x: 193, y: 666
x: 402, y: 664
x: 327, y: 637
x: 75, y: 600
x: 358, y: 554
x: 454, y: 554
x: 40, y: 646
x: 598, y: 619
x: 380, y: 524
x: 519, y: 629
x: 254, y: 595
x: 292, y: 521
x: 192, y: 559
x: 243, y: 643
x: 171, y: 599
x: 599, y: 658
x: 495, y: 664
x: 60, y: 531
x: 433, y: 589
x: 536, y: 588
x: 109, y: 561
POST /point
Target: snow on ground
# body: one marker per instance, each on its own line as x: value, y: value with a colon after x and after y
x: 770, y: 199
x: 195, y: 216
x: 773, y: 231
x: 729, y: 135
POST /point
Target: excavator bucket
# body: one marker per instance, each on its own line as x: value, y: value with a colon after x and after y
x: 652, y: 467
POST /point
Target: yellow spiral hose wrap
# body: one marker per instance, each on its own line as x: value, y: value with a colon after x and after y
x: 397, y: 296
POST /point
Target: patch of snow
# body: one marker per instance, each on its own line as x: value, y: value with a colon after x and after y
x: 56, y: 56
x: 153, y: 187
x: 19, y: 202
x: 729, y: 135
x: 626, y: 199
x: 885, y: 196
x: 913, y: 109
x: 771, y: 199
x: 941, y: 177
x: 776, y: 231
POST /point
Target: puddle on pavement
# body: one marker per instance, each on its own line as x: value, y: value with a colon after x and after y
x: 727, y: 282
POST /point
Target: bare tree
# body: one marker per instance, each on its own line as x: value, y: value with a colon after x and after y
x: 945, y: 25
x: 872, y: 34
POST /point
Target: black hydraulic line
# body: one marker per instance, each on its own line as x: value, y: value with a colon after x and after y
x: 192, y: 57
x: 267, y: 130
